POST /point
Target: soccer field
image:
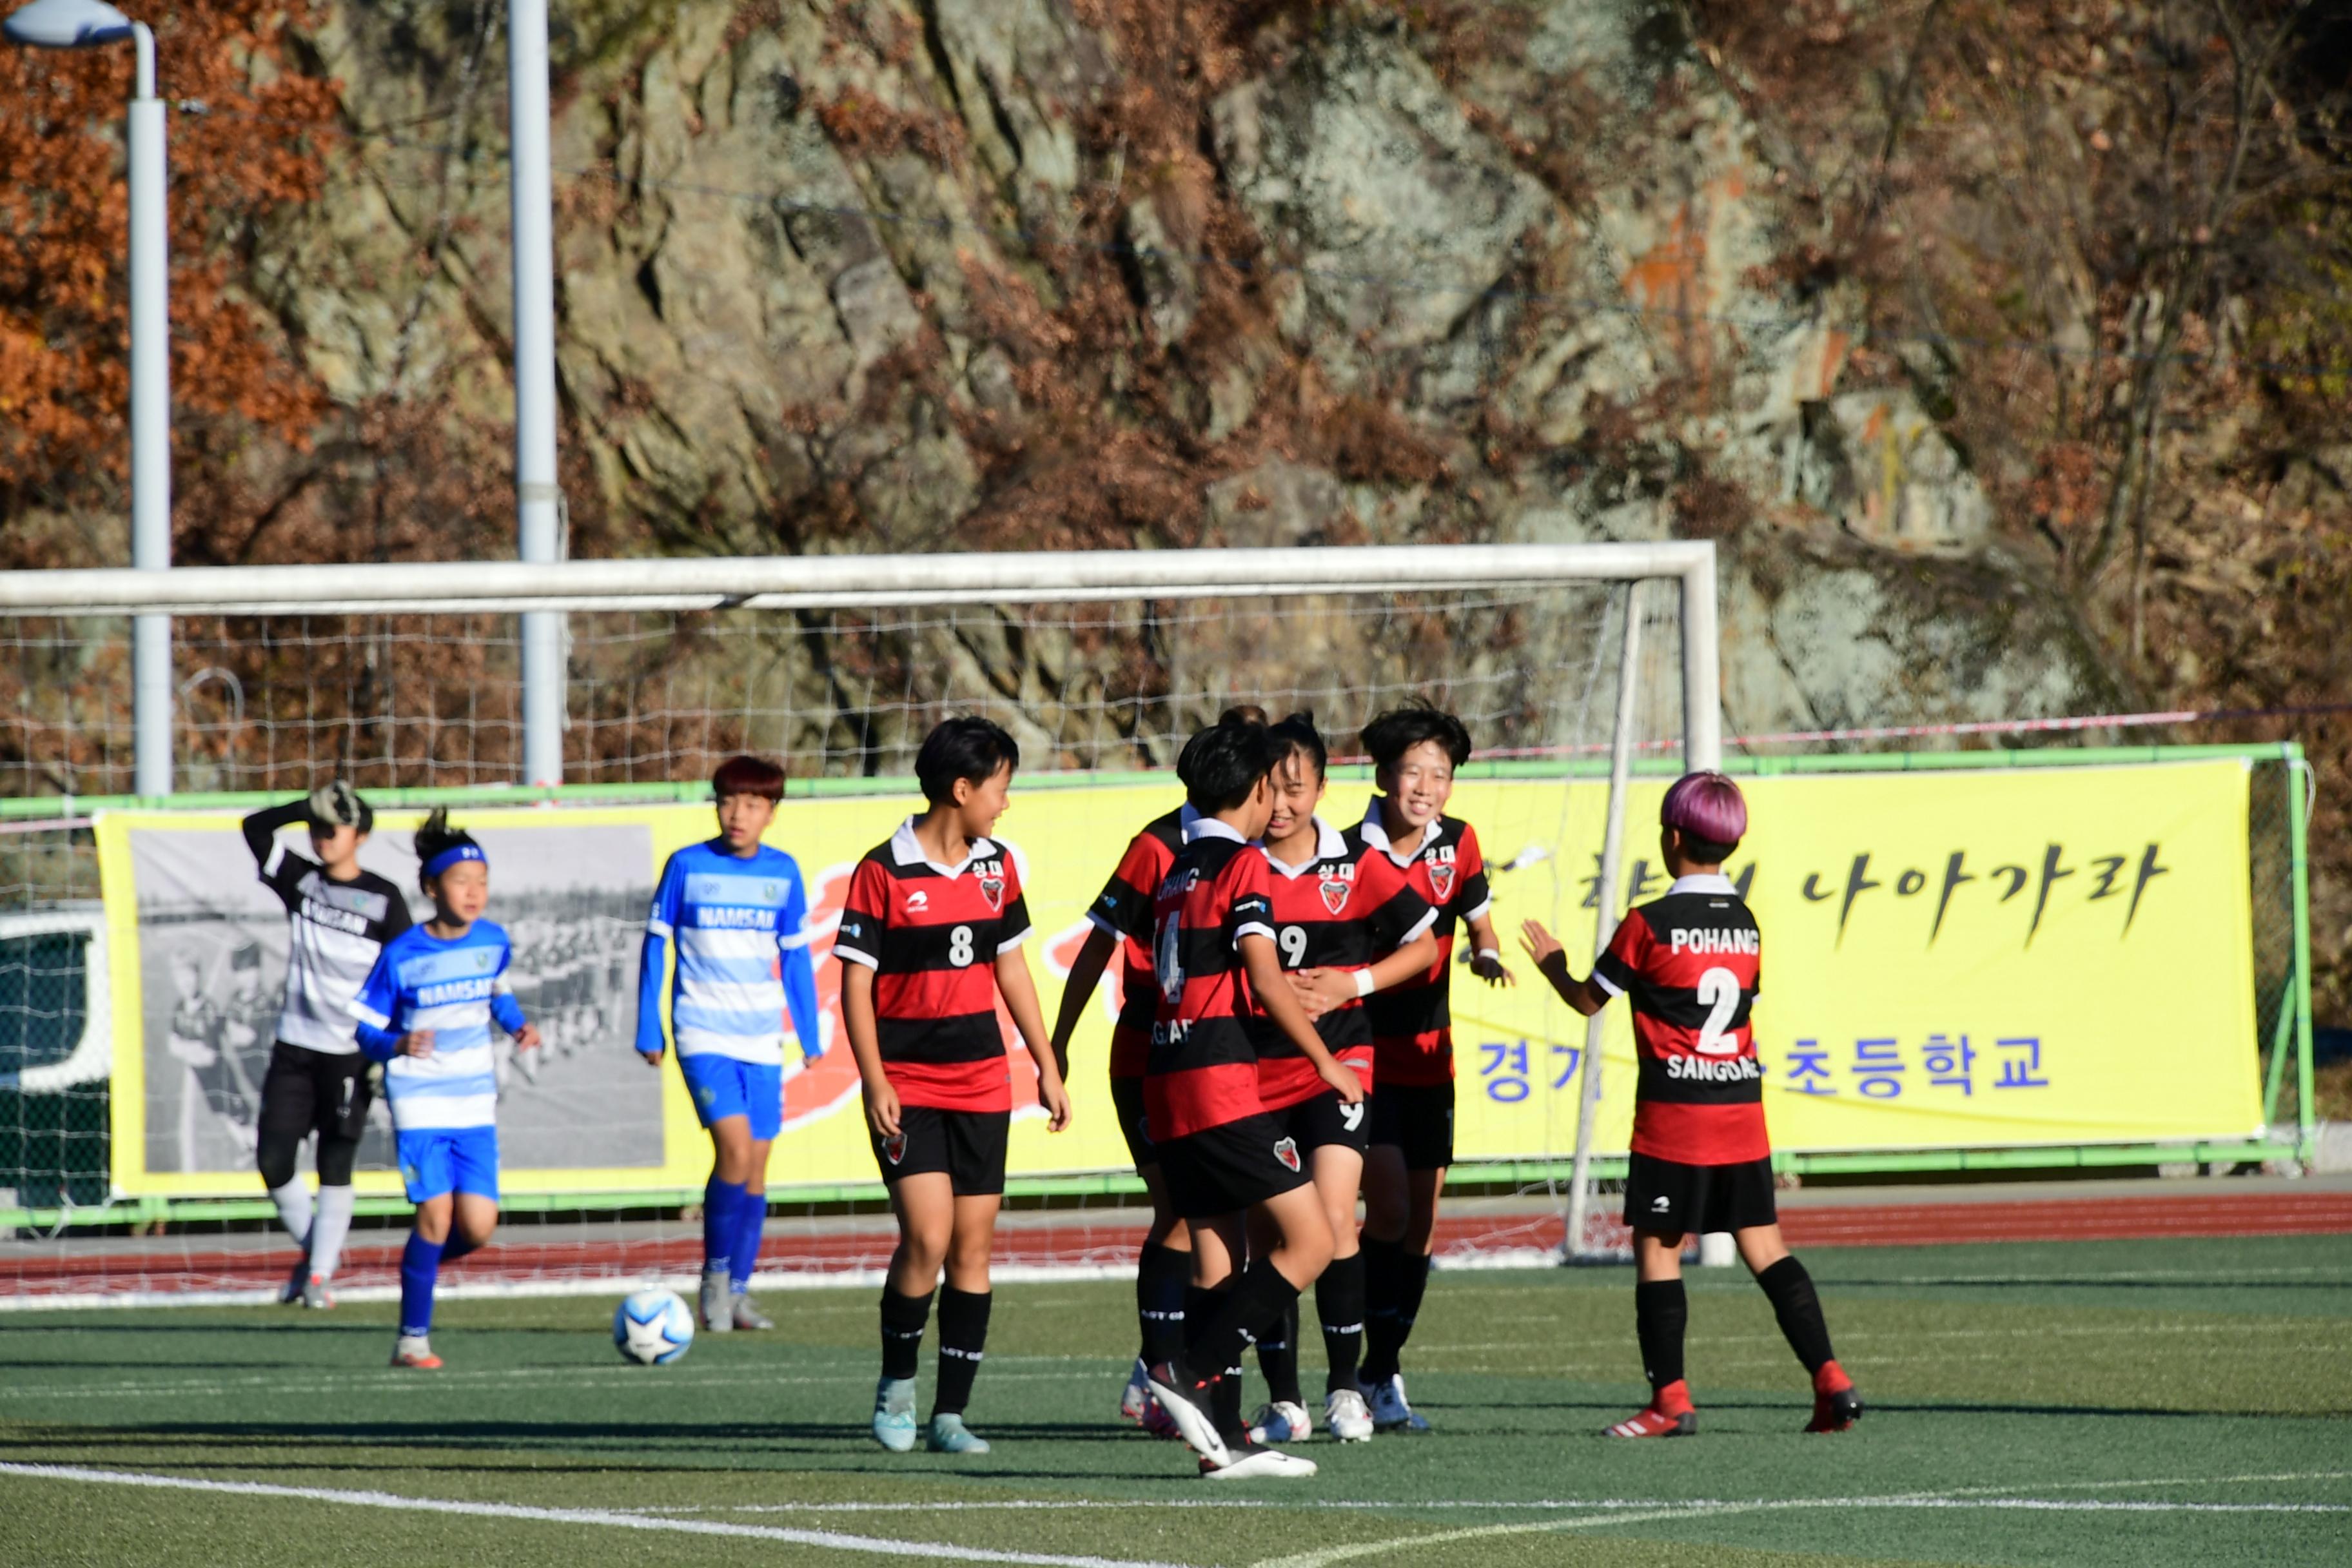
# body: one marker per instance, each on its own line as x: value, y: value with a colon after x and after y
x: 2128, y: 1403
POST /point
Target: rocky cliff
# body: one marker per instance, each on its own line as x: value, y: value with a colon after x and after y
x: 987, y: 272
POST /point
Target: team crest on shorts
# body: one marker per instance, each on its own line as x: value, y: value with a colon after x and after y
x: 1335, y: 889
x: 1287, y: 1153
x: 894, y: 1147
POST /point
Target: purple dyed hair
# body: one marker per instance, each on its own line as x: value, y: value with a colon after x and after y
x: 1705, y: 805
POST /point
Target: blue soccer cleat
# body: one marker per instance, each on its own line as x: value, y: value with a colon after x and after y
x: 949, y: 1434
x: 894, y: 1414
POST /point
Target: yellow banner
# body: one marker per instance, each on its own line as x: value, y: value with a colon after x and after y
x: 1951, y: 960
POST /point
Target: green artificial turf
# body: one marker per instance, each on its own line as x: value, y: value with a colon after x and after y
x: 2100, y: 1403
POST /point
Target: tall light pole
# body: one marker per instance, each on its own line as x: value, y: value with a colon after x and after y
x: 536, y: 496
x: 84, y: 23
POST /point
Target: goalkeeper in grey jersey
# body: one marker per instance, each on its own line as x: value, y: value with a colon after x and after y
x: 340, y: 917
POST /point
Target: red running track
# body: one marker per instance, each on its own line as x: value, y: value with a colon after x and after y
x: 1105, y: 1242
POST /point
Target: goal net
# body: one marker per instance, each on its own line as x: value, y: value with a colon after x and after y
x: 407, y: 680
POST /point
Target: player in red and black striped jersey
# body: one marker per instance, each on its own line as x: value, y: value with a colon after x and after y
x: 1348, y: 923
x: 1223, y: 1158
x: 1690, y: 964
x: 929, y: 938
x: 1415, y: 752
x: 1121, y: 918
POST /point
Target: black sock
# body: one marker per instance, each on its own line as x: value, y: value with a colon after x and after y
x: 1262, y: 1295
x: 1277, y: 1356
x: 1163, y: 1277
x: 1383, y: 1269
x: 1225, y: 1406
x: 1339, y: 1302
x: 903, y: 1318
x: 1790, y: 1291
x: 1412, y: 1283
x: 963, y: 1336
x: 1661, y: 1310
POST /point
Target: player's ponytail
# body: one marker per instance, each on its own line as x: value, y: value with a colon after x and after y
x: 439, y: 846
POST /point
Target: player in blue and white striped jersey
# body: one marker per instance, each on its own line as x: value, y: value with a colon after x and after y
x: 738, y: 914
x: 426, y: 1010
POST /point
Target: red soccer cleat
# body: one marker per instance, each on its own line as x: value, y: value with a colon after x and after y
x: 1837, y: 1404
x: 1668, y: 1414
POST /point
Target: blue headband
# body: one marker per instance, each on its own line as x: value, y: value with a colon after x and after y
x: 451, y: 856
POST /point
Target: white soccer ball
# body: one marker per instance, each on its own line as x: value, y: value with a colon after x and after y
x: 652, y: 1327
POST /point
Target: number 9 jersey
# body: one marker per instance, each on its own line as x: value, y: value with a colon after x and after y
x: 1690, y: 963
x: 931, y: 934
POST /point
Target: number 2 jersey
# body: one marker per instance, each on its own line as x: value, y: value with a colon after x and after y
x: 1689, y: 964
x: 1345, y: 909
x: 1412, y: 1023
x: 931, y: 934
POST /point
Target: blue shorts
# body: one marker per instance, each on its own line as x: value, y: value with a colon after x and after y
x: 437, y: 1160
x: 723, y: 1086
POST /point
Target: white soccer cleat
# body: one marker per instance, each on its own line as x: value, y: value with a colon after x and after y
x: 717, y: 1302
x: 746, y: 1313
x: 1253, y: 1462
x: 415, y: 1351
x: 1391, y: 1411
x: 1347, y: 1416
x: 1187, y: 1404
x: 1281, y: 1422
x: 1135, y: 1402
x: 315, y: 1294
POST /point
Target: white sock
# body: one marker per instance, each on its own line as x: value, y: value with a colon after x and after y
x: 293, y: 1200
x: 327, y: 1235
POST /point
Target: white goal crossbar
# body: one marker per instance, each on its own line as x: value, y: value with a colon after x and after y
x: 839, y: 581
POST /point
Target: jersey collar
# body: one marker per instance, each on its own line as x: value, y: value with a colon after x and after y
x: 906, y: 849
x: 1376, y: 836
x: 1329, y: 846
x: 1713, y: 883
x: 1203, y: 825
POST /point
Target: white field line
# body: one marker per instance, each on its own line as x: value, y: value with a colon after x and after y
x: 1972, y: 1499
x: 827, y: 1539
x: 1958, y: 1497
x: 426, y: 1383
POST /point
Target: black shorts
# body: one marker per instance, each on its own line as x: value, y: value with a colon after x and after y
x: 1324, y: 1118
x: 1674, y: 1199
x: 1225, y: 1170
x: 307, y: 1091
x: 1127, y: 1103
x: 969, y: 1145
x: 1418, y: 1118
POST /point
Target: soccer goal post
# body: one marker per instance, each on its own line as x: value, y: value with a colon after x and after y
x: 407, y: 678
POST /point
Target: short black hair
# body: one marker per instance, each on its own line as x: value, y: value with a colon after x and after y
x: 1248, y: 712
x: 1389, y: 737
x: 1298, y: 734
x: 1225, y: 762
x: 968, y: 748
x: 747, y: 775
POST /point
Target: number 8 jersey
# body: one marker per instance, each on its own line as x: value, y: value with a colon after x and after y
x: 1690, y: 964
x: 931, y: 934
